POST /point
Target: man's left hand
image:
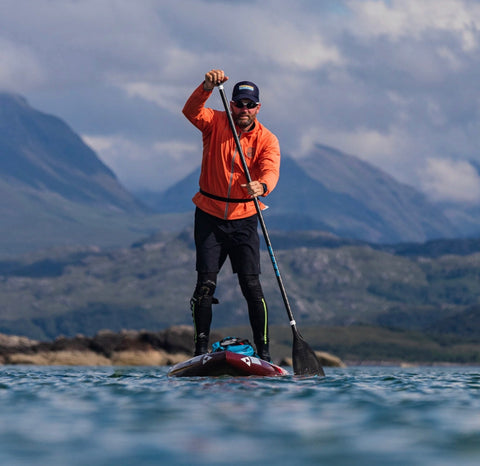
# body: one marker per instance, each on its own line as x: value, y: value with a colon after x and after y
x: 254, y: 188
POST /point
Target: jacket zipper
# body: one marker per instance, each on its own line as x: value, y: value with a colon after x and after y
x: 235, y: 152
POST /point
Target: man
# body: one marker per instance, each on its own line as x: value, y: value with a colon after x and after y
x: 225, y: 217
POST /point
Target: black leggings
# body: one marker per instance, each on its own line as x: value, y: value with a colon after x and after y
x: 203, y: 298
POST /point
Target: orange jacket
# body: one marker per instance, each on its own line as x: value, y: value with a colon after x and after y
x: 222, y: 172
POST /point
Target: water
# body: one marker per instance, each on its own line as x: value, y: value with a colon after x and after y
x: 139, y: 416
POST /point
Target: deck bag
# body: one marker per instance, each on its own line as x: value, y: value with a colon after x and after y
x: 236, y: 345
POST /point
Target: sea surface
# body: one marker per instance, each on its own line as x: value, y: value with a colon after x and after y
x: 138, y: 416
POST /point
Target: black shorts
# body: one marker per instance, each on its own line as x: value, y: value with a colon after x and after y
x: 215, y: 239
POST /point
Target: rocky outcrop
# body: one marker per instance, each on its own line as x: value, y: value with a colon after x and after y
x: 126, y: 348
x: 129, y: 347
x: 13, y: 341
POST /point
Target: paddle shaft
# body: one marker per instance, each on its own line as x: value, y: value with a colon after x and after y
x: 260, y: 215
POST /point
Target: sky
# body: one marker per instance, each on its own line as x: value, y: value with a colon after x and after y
x: 393, y: 82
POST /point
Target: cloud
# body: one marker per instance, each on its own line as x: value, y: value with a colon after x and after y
x: 168, y: 97
x: 451, y: 180
x: 301, y: 50
x: 18, y: 67
x: 148, y: 166
x: 399, y: 19
x: 394, y: 82
x: 366, y: 143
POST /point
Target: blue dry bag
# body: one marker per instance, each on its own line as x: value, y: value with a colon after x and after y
x: 234, y: 344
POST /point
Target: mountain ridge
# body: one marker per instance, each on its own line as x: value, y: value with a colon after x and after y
x: 43, y: 152
x: 55, y: 191
x: 324, y: 191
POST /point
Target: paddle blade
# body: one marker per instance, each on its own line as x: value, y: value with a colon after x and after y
x: 305, y: 362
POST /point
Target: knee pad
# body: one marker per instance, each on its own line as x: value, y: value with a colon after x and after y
x: 203, y: 294
x: 204, y: 289
x: 251, y: 287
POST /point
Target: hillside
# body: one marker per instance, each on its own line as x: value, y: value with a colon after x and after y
x: 148, y: 286
x: 398, y: 212
x: 40, y: 151
x: 54, y: 190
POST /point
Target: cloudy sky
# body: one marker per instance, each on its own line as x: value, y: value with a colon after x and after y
x: 394, y: 82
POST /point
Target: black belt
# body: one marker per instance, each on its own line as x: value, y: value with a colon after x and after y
x: 223, y: 199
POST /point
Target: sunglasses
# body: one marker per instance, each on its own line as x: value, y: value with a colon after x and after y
x: 249, y: 104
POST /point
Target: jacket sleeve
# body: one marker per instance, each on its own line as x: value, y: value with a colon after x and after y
x: 269, y: 162
x: 195, y: 109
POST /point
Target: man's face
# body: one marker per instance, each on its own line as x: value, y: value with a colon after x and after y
x: 244, y: 117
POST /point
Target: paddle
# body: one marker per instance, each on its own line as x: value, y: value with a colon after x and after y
x: 305, y: 362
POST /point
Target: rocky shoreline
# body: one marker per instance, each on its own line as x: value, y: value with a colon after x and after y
x: 125, y: 348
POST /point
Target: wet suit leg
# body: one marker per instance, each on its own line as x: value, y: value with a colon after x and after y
x: 201, y: 306
x: 257, y: 312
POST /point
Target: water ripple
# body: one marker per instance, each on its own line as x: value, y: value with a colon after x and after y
x: 125, y: 416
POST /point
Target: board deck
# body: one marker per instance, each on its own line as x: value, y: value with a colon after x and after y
x: 225, y: 363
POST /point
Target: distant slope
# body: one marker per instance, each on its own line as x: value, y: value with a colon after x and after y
x: 54, y: 190
x: 41, y: 152
x: 148, y: 286
x: 302, y: 202
x: 176, y: 199
x: 337, y: 193
x: 465, y: 324
x: 465, y: 214
x: 401, y: 212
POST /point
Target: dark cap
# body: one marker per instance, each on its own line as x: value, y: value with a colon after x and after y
x: 246, y: 90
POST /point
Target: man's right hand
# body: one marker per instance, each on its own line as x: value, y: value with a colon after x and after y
x: 214, y: 78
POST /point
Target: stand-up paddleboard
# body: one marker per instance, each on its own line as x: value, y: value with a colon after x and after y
x: 225, y: 363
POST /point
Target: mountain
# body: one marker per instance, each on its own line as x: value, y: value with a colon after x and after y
x: 54, y: 190
x: 398, y: 212
x: 176, y: 199
x: 338, y: 193
x: 466, y: 214
x: 41, y: 152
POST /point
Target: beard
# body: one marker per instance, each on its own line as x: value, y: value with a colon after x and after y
x: 244, y: 120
